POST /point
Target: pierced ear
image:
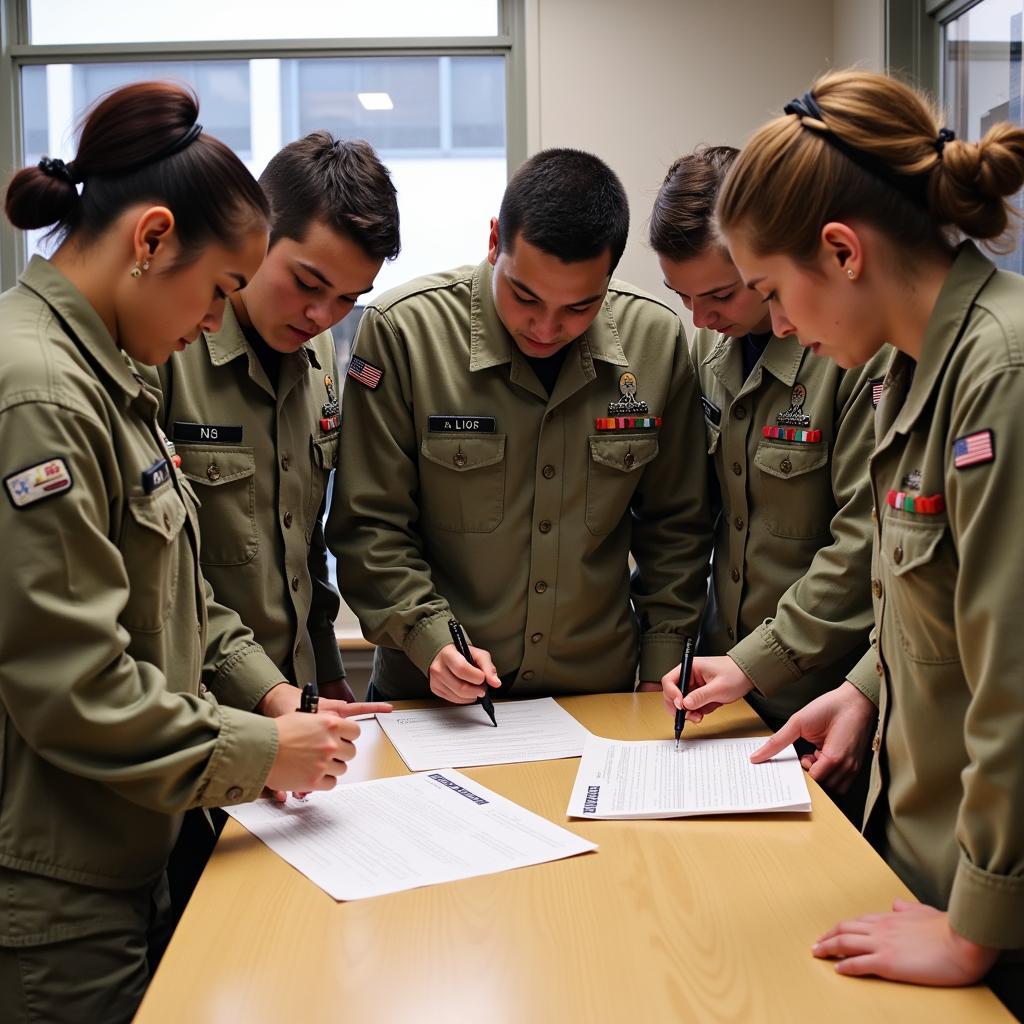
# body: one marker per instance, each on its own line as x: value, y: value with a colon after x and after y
x: 842, y: 249
x: 153, y: 231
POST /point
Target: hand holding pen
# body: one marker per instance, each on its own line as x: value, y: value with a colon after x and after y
x: 458, y: 689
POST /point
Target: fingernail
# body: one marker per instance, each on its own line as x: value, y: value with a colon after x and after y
x: 679, y: 704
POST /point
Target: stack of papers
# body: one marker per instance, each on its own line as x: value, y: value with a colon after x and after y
x: 652, y: 779
x: 371, y: 838
x: 462, y: 737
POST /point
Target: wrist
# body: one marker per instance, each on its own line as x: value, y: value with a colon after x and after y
x: 277, y: 701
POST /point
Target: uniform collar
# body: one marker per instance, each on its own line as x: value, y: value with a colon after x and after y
x: 78, y: 315
x: 230, y: 343
x: 782, y: 358
x: 491, y: 344
x: 970, y: 273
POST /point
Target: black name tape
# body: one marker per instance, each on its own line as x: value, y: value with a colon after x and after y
x: 156, y: 476
x: 460, y: 424
x: 711, y: 411
x: 207, y: 433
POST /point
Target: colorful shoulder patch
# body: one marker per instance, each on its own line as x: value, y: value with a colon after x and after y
x: 877, y: 384
x: 36, y: 483
x: 974, y: 449
x: 366, y: 373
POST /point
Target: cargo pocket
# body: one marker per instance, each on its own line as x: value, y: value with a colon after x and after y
x: 462, y: 482
x: 613, y: 472
x: 793, y: 491
x: 225, y: 480
x: 150, y: 552
x: 323, y: 459
x: 919, y: 577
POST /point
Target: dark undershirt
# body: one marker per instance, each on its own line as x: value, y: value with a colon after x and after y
x: 547, y: 368
x: 270, y: 358
x: 753, y: 348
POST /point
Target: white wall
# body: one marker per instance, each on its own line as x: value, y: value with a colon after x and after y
x: 858, y: 34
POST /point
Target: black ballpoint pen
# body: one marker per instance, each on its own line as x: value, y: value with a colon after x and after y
x: 685, y: 668
x: 459, y: 639
x: 310, y: 699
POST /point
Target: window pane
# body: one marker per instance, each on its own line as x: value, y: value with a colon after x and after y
x: 443, y: 138
x: 478, y: 102
x: 982, y: 77
x: 328, y: 96
x: 113, y: 21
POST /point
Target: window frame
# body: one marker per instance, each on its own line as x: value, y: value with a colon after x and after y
x: 17, y: 52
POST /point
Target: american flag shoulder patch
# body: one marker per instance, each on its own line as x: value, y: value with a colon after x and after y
x: 366, y: 373
x: 974, y: 449
x: 877, y: 384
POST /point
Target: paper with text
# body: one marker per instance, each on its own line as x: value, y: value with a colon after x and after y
x: 462, y: 737
x: 372, y: 838
x: 651, y: 779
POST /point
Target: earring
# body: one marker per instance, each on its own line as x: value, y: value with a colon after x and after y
x: 145, y: 264
x: 136, y: 271
x: 849, y: 273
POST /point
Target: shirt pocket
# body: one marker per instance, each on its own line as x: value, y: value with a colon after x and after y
x: 920, y: 569
x: 225, y: 479
x: 323, y: 460
x: 149, y: 548
x: 462, y: 482
x: 794, y: 490
x: 613, y: 472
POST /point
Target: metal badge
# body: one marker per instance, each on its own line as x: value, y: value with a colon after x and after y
x: 912, y: 481
x: 627, y: 405
x: 794, y: 415
x: 330, y: 408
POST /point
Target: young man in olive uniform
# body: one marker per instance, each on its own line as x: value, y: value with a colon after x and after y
x: 513, y: 431
x: 252, y: 410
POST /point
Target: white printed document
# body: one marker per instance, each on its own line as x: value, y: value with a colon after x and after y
x: 371, y: 838
x: 651, y: 779
x: 462, y: 737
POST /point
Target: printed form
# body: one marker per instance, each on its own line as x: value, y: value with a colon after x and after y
x: 371, y: 838
x: 463, y: 737
x: 651, y: 779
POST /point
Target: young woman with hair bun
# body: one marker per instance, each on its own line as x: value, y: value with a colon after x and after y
x: 855, y: 215
x: 126, y: 692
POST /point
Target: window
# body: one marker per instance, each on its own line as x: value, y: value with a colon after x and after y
x: 981, y: 77
x: 438, y: 120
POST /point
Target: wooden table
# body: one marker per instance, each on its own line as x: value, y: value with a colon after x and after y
x: 699, y: 919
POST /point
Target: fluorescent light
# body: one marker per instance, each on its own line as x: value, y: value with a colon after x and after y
x: 375, y: 101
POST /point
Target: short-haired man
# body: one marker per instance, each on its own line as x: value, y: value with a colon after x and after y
x: 512, y: 432
x: 253, y: 409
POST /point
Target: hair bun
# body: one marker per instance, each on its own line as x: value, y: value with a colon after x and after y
x: 37, y: 198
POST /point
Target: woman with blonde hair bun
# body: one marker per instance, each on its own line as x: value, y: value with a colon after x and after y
x: 853, y: 216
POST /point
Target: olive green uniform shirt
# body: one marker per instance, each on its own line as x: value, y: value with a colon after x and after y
x: 947, y: 785
x: 109, y: 657
x: 260, y: 458
x: 513, y: 511
x: 790, y: 598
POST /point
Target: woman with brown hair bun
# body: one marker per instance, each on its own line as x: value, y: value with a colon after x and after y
x: 126, y: 693
x: 848, y: 215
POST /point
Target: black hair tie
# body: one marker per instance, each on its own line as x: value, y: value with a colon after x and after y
x: 945, y: 135
x: 54, y: 167
x: 805, y: 106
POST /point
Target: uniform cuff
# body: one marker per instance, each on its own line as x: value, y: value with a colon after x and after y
x: 987, y: 909
x: 865, y: 676
x: 767, y: 663
x: 424, y: 641
x: 327, y: 656
x: 245, y: 678
x: 659, y: 654
x: 241, y: 761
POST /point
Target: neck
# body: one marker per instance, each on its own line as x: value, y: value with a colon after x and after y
x: 93, y: 272
x: 908, y: 302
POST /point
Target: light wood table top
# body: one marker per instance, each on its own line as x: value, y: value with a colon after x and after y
x: 695, y: 919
